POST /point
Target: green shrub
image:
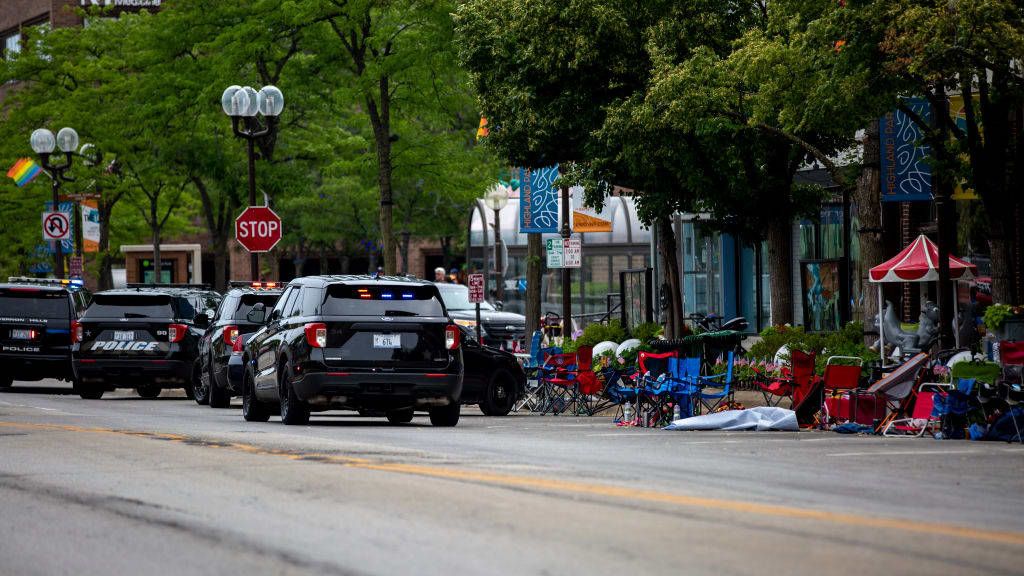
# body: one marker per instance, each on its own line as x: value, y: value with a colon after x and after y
x: 647, y: 331
x: 848, y: 341
x: 596, y: 333
x: 996, y: 315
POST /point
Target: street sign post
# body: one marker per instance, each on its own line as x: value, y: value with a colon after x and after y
x: 476, y: 296
x: 555, y: 251
x: 56, y: 226
x: 258, y: 229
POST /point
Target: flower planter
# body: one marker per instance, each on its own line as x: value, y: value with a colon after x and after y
x: 1012, y: 330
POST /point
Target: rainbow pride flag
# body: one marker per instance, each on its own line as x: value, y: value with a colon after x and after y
x: 24, y: 171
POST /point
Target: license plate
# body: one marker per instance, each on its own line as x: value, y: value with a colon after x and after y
x: 387, y: 340
x: 124, y: 336
x: 21, y: 334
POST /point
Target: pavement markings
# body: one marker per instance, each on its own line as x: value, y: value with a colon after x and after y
x: 905, y: 453
x: 570, y: 486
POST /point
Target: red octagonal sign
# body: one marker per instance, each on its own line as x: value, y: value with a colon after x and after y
x: 258, y: 228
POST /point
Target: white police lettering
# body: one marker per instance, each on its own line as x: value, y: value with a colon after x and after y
x: 110, y: 345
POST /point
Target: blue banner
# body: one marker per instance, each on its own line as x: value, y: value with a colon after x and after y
x: 906, y: 173
x: 538, y: 200
x: 67, y: 246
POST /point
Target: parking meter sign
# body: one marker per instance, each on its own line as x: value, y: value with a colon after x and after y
x: 555, y: 248
x: 476, y: 288
x: 572, y: 252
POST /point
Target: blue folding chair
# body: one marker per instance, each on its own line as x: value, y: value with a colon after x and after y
x: 684, y: 373
x: 721, y: 384
x: 951, y: 408
x: 534, y: 397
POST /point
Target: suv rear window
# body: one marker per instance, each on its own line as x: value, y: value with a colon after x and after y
x: 247, y: 301
x: 130, y: 306
x: 343, y: 300
x: 33, y: 303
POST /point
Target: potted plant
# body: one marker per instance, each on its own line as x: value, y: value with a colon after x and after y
x: 1005, y: 322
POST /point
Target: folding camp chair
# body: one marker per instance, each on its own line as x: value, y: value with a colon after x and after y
x: 683, y: 376
x: 535, y: 398
x: 896, y: 388
x: 619, y: 390
x: 922, y: 419
x: 567, y: 379
x: 952, y: 407
x: 720, y: 385
x: 840, y: 383
x: 800, y: 374
x: 652, y: 379
x: 587, y: 385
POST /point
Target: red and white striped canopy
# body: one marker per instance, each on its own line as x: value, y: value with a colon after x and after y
x: 919, y: 262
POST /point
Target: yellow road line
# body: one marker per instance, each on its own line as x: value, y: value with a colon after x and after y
x: 555, y: 485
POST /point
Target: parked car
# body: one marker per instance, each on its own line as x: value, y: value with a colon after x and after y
x: 229, y: 323
x: 144, y: 337
x: 494, y: 378
x: 505, y: 330
x: 378, y: 344
x: 35, y: 327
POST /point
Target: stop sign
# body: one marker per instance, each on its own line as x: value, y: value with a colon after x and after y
x: 258, y: 228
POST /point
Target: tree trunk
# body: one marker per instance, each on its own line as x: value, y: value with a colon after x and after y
x: 534, y: 251
x: 155, y: 223
x: 667, y: 248
x: 221, y: 262
x: 780, y: 264
x: 380, y: 119
x: 867, y: 196
x: 106, y: 275
x: 405, y: 253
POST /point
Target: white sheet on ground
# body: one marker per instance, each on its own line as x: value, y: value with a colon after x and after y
x: 758, y: 418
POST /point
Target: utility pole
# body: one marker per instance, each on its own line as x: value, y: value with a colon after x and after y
x: 566, y: 271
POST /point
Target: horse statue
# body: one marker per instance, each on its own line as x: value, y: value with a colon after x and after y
x: 927, y: 330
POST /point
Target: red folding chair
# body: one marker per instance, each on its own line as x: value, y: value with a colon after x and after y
x: 841, y: 383
x: 799, y: 375
x: 921, y: 419
x: 570, y: 380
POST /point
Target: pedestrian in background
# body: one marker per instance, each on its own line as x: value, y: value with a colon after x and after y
x: 453, y: 276
x: 439, y: 275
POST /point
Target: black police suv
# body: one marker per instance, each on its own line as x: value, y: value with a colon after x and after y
x: 144, y: 337
x: 374, y: 344
x: 229, y: 323
x: 493, y: 378
x: 506, y: 330
x: 35, y: 327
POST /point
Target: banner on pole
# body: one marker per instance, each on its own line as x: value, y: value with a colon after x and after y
x: 90, y: 226
x: 538, y: 200
x: 906, y: 172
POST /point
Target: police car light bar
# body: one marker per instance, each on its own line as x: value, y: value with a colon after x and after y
x: 256, y: 285
x: 144, y: 285
x: 50, y: 281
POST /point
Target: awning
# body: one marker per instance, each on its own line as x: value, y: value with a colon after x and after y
x: 919, y: 262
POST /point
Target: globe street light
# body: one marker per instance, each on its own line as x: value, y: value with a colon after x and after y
x: 44, y: 143
x: 496, y: 198
x: 243, y: 104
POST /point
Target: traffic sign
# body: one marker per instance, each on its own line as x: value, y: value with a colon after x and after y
x: 258, y: 229
x: 555, y: 249
x: 476, y: 288
x: 75, y: 268
x: 564, y: 252
x: 56, y: 226
x: 572, y: 252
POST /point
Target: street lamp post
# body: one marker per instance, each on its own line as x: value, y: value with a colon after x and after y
x: 496, y: 199
x: 44, y: 143
x: 243, y: 104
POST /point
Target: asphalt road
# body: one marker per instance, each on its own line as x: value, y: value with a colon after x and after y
x: 130, y: 486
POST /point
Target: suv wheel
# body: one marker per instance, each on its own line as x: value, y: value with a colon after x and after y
x: 219, y: 397
x: 200, y: 385
x: 293, y: 411
x: 498, y: 396
x: 400, y: 416
x: 149, y: 391
x: 88, y: 391
x: 445, y: 415
x: 252, y: 409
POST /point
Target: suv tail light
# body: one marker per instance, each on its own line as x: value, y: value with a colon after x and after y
x: 451, y: 337
x: 236, y: 346
x: 230, y: 334
x: 76, y: 331
x: 176, y: 332
x: 316, y: 335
